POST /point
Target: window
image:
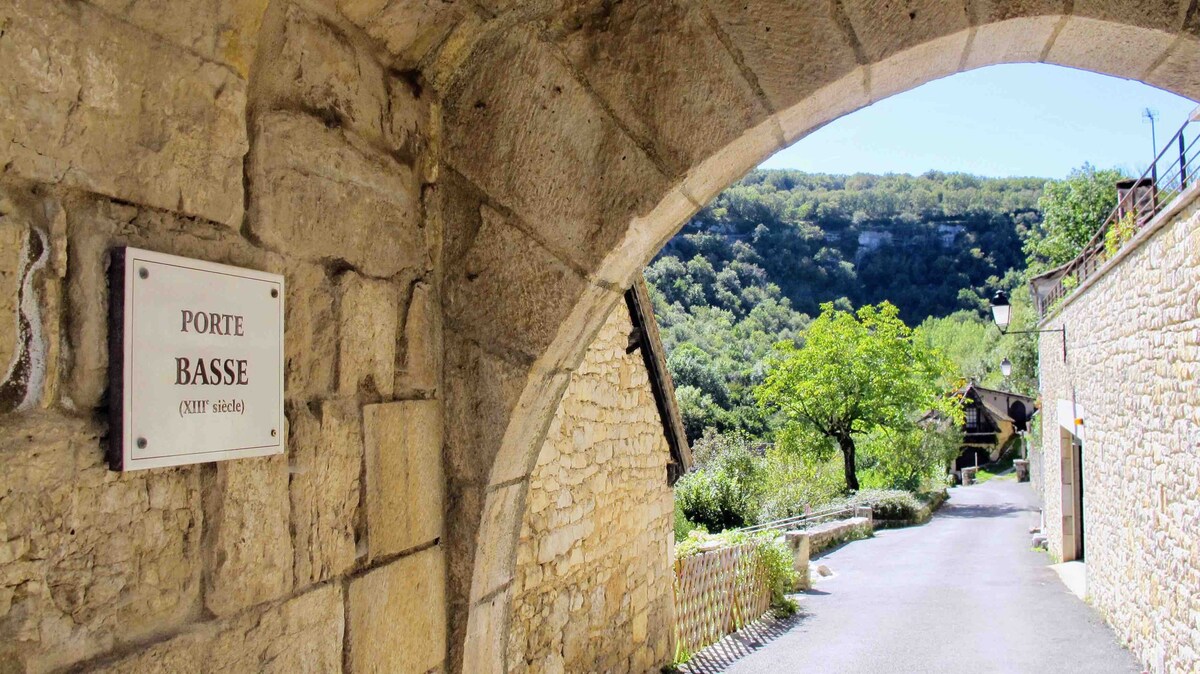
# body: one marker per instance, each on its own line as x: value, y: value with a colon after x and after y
x: 972, y: 418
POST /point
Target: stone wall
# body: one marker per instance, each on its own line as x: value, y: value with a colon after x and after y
x: 593, y: 590
x: 1131, y: 370
x: 457, y: 193
x: 157, y: 124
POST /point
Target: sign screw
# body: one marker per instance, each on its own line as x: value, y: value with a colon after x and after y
x: 274, y: 292
x: 273, y: 433
x: 141, y: 443
x: 144, y: 273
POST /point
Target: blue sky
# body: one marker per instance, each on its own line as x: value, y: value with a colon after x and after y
x: 1007, y: 120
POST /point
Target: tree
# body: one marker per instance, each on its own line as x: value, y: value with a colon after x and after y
x: 1073, y: 210
x: 854, y: 374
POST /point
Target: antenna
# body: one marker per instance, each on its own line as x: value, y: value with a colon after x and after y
x: 1152, y: 116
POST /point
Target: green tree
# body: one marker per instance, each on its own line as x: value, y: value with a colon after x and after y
x: 854, y: 374
x: 1073, y: 209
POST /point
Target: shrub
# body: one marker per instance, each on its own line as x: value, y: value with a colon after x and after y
x: 887, y: 504
x: 727, y: 490
x: 683, y: 526
x: 794, y: 484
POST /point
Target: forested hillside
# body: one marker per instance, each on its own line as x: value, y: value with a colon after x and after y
x: 752, y: 267
x: 917, y: 241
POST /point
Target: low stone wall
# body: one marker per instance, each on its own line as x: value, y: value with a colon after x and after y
x: 593, y: 591
x: 1130, y: 374
x: 831, y: 534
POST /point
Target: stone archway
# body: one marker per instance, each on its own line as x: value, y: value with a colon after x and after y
x: 612, y: 125
x: 511, y: 163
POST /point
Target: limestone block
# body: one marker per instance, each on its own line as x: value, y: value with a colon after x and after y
x: 827, y: 103
x: 916, y: 66
x: 248, y: 552
x: 1011, y: 41
x: 531, y: 141
x: 397, y: 615
x: 325, y: 449
x: 93, y: 227
x: 1178, y: 73
x: 404, y: 477
x: 885, y: 29
x: 1109, y: 48
x: 510, y: 290
x: 1163, y: 15
x: 484, y: 651
x: 301, y: 635
x: 664, y: 73
x: 793, y: 49
x: 316, y: 196
x: 422, y: 341
x: 89, y: 102
x: 316, y: 67
x: 88, y: 556
x: 311, y: 327
x: 221, y: 30
x: 482, y: 390
x: 368, y: 319
x: 408, y: 28
x: 987, y: 11
x: 495, y: 562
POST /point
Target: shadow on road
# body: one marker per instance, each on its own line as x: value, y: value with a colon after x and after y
x: 718, y: 657
x: 977, y: 511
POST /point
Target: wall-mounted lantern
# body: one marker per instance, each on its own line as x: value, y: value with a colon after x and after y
x: 1006, y: 367
x: 1002, y: 314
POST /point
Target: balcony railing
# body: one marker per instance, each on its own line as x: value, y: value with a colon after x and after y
x: 1138, y: 201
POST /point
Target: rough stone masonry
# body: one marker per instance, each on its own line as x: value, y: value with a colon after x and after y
x: 457, y: 192
x: 1130, y: 374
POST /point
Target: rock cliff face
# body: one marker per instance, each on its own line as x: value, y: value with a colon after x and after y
x: 1130, y: 373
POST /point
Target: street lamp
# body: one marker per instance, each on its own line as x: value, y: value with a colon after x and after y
x: 1002, y: 313
x: 1001, y: 310
x: 1006, y: 367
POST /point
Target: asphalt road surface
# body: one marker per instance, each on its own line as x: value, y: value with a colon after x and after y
x: 964, y: 593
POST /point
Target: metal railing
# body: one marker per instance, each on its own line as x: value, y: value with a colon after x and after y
x: 1174, y: 168
x: 800, y: 522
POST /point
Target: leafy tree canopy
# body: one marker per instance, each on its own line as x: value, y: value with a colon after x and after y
x: 856, y: 373
x: 1073, y: 209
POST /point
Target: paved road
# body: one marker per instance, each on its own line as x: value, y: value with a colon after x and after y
x: 964, y: 593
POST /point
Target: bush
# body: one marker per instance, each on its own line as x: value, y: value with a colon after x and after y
x: 794, y: 484
x: 727, y: 490
x: 886, y: 504
x: 683, y: 526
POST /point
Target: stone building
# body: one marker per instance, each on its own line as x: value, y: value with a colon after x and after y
x: 457, y: 193
x: 594, y: 588
x: 990, y: 423
x: 1120, y: 422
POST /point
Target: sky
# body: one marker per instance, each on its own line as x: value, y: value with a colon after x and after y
x: 1006, y: 120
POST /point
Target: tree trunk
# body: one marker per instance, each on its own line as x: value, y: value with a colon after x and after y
x: 846, y: 443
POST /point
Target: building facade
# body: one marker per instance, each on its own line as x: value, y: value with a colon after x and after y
x: 1120, y: 437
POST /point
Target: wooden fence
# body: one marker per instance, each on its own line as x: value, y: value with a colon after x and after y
x: 717, y: 593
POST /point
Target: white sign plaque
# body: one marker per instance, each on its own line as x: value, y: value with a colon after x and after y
x: 197, y: 370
